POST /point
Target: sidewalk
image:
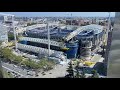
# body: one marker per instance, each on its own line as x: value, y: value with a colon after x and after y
x: 58, y: 71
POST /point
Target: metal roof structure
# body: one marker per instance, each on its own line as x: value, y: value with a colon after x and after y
x: 83, y: 31
x: 36, y: 49
x: 45, y: 41
x: 97, y: 29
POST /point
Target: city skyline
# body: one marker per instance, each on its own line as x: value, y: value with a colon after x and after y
x: 60, y: 14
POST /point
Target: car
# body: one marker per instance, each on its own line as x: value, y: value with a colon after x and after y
x: 19, y: 71
x: 92, y: 54
x: 36, y: 75
x: 15, y: 66
x: 30, y: 74
x: 9, y: 72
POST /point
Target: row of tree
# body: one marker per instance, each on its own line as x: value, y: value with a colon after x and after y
x: 74, y: 72
x: 7, y: 55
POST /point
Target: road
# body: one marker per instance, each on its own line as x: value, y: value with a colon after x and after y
x: 18, y: 70
x: 58, y: 71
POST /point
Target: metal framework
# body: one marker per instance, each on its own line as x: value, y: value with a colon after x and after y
x: 36, y: 49
x: 97, y: 28
x: 44, y: 41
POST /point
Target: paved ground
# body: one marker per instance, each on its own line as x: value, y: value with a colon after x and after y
x: 97, y: 58
x: 59, y: 71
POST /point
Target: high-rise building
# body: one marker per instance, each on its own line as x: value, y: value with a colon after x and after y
x: 3, y: 33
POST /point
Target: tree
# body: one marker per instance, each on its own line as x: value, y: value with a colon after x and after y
x: 95, y: 74
x: 46, y: 64
x: 30, y: 64
x: 1, y: 71
x: 70, y: 71
x: 77, y: 70
x: 11, y: 36
x: 0, y: 49
x: 29, y: 24
x: 17, y: 59
x: 6, y: 53
x: 0, y: 43
x: 82, y: 74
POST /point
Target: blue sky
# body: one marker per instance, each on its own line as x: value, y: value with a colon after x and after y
x: 82, y: 14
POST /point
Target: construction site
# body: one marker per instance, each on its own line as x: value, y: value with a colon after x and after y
x: 62, y: 43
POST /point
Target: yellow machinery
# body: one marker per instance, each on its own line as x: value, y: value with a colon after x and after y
x: 10, y: 44
x: 64, y: 49
x: 88, y: 63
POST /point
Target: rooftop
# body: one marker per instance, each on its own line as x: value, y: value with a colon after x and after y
x: 89, y: 31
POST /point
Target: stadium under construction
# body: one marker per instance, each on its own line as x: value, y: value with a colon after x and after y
x: 75, y: 42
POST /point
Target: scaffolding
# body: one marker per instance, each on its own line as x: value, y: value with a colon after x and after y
x: 36, y: 49
x: 44, y: 41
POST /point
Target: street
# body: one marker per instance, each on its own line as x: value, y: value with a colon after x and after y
x: 18, y: 70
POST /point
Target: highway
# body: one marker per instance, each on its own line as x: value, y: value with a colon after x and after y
x: 17, y: 69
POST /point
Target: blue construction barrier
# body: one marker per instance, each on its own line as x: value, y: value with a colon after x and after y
x: 23, y: 42
x: 72, y: 51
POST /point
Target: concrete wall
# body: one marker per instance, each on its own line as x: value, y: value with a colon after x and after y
x: 113, y: 70
x: 3, y: 33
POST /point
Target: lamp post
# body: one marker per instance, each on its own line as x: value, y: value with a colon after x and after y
x: 14, y: 33
x: 108, y: 26
x: 109, y: 21
x: 108, y: 46
x: 71, y: 20
x: 48, y: 39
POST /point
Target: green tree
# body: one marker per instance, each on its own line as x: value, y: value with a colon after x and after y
x: 29, y: 24
x: 70, y: 70
x: 0, y: 49
x: 6, y: 53
x: 94, y: 74
x: 0, y: 44
x: 46, y: 64
x: 1, y: 71
x: 11, y: 36
x: 77, y: 71
x: 82, y: 74
x: 30, y: 64
x: 17, y: 59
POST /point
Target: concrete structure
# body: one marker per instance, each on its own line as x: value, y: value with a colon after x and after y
x: 113, y: 57
x: 21, y: 29
x: 88, y: 37
x: 85, y: 50
x: 3, y: 33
